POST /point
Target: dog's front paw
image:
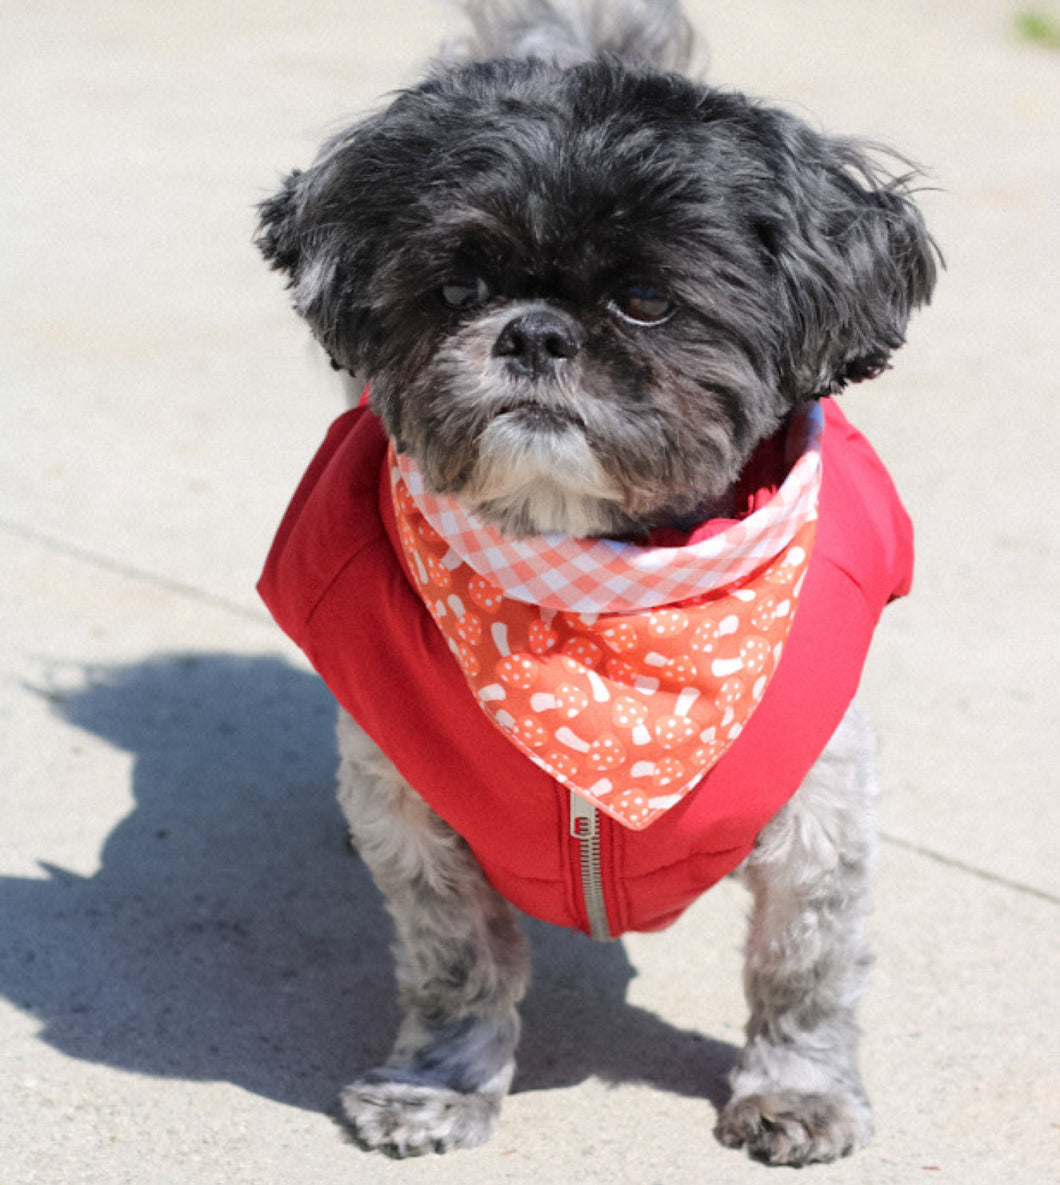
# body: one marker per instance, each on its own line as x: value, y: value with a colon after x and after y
x: 399, y: 1117
x: 785, y: 1127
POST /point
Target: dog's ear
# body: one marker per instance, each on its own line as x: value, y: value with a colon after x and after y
x: 312, y: 229
x: 852, y: 259
x: 277, y: 236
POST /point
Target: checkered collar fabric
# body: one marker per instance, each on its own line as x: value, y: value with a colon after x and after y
x: 601, y: 575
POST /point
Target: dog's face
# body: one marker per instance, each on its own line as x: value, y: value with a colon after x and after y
x: 582, y: 296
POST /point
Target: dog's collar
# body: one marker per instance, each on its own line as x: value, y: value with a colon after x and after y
x: 625, y: 682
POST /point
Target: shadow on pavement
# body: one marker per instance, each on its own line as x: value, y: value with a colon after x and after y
x: 230, y: 934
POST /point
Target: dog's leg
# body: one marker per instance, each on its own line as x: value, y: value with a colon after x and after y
x: 797, y: 1095
x: 462, y: 968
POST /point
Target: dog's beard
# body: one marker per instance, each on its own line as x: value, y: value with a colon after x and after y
x: 535, y: 473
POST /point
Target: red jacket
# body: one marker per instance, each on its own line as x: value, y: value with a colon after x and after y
x: 335, y: 582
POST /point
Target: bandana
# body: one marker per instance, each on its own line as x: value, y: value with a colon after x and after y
x: 624, y: 672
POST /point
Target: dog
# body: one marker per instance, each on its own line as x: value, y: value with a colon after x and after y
x: 602, y: 310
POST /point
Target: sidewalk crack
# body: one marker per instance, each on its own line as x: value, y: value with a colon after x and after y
x: 128, y: 571
x: 949, y: 862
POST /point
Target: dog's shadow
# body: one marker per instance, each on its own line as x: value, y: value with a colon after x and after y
x: 230, y: 934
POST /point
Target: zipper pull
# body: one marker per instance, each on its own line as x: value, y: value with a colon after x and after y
x: 584, y: 820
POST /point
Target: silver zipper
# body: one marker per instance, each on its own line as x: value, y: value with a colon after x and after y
x: 585, y: 828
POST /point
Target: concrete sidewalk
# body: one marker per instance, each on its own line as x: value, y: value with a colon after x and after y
x: 191, y: 965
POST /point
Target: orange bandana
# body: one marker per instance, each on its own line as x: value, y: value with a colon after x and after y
x: 624, y: 672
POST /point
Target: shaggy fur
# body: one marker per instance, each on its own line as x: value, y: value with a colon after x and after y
x: 583, y: 288
x: 791, y: 263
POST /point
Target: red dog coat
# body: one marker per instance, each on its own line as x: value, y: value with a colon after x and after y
x: 338, y: 583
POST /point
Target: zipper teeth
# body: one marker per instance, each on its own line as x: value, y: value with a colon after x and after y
x: 585, y: 828
x: 593, y: 888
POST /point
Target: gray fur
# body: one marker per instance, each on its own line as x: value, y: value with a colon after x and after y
x: 558, y: 182
x: 566, y: 31
x: 797, y: 1095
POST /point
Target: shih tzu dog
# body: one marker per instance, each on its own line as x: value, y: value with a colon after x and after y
x: 593, y: 568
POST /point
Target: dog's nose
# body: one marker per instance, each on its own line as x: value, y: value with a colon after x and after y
x: 535, y: 341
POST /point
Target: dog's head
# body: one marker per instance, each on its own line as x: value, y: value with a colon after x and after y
x: 581, y: 296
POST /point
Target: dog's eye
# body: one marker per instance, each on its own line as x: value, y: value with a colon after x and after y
x: 643, y: 304
x: 464, y: 292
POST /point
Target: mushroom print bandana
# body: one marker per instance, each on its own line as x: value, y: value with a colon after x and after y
x: 623, y: 671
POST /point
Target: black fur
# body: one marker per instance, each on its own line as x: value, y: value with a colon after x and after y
x: 793, y: 261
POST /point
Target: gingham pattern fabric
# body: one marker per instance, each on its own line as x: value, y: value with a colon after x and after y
x: 601, y: 575
x: 628, y: 709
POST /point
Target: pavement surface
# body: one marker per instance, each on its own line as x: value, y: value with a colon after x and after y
x: 191, y: 965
